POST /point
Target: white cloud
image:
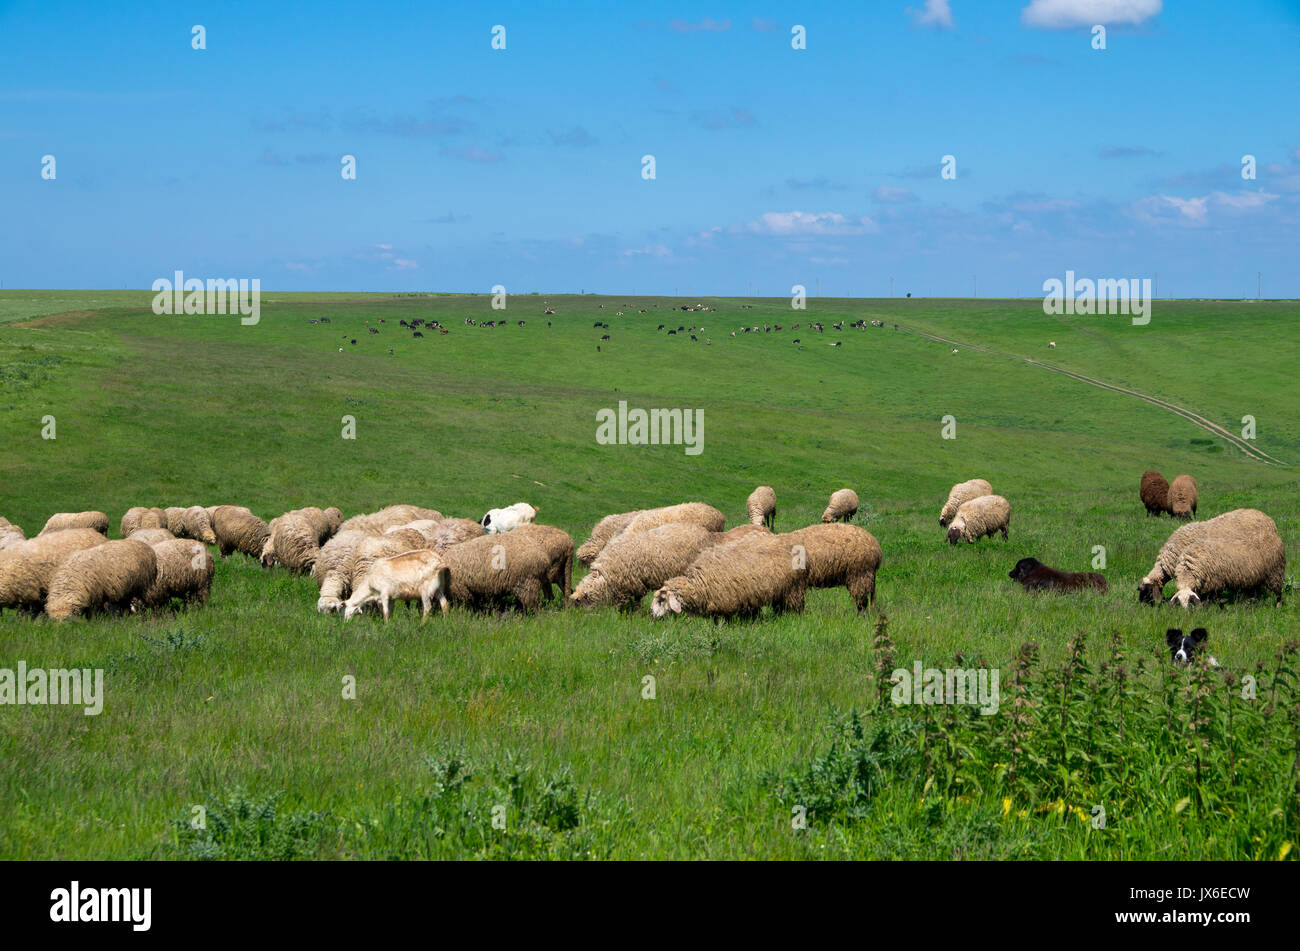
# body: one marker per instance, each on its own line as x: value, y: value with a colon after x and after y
x: 650, y: 250
x: 1069, y: 14
x: 1158, y: 209
x: 806, y: 222
x: 1032, y: 206
x: 936, y: 13
x: 894, y: 196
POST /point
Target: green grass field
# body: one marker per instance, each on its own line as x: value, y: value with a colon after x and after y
x: 238, y: 705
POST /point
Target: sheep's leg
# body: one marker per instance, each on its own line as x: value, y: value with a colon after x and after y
x: 1004, y: 533
x: 425, y: 604
x: 384, y: 604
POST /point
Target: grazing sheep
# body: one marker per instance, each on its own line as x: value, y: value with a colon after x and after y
x: 1036, y: 576
x: 26, y: 569
x: 737, y: 533
x: 497, y: 521
x: 491, y: 567
x: 140, y: 516
x: 453, y: 531
x: 984, y: 516
x: 1237, y: 551
x: 606, y: 529
x: 198, y: 525
x: 175, y: 520
x: 185, y: 570
x: 95, y: 521
x: 691, y: 513
x: 238, y: 529
x: 962, y: 492
x: 1153, y: 490
x: 333, y: 569
x: 558, y: 545
x: 835, y: 554
x: 1182, y: 497
x: 108, y: 576
x: 761, y: 507
x: 736, y: 579
x: 152, y: 536
x: 295, y: 538
x: 10, y: 534
x: 376, y: 523
x: 843, y: 506
x: 404, y: 577
x: 632, y: 565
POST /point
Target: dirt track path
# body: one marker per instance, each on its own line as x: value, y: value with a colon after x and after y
x: 1197, y: 419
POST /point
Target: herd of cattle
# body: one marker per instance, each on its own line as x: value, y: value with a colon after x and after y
x: 681, y: 554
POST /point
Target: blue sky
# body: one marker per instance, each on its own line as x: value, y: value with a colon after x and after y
x: 774, y: 166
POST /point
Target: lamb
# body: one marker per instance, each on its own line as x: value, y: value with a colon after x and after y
x: 737, y: 579
x: 1153, y: 490
x: 962, y: 492
x: 1182, y: 497
x: 373, y: 547
x: 404, y: 577
x: 238, y: 529
x: 185, y: 570
x: 333, y: 569
x: 835, y: 555
x: 497, y: 521
x: 603, y: 532
x: 110, y: 575
x: 1237, y: 551
x: 491, y: 567
x: 376, y: 523
x: 558, y: 545
x: 761, y: 507
x: 139, y: 516
x: 632, y: 565
x: 1036, y: 576
x: 843, y: 506
x: 979, y: 517
x: 691, y: 513
x: 26, y: 569
x: 96, y: 521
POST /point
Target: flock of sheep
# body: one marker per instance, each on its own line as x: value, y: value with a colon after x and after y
x: 679, y: 553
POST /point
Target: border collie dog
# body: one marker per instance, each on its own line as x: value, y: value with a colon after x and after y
x: 1183, y: 647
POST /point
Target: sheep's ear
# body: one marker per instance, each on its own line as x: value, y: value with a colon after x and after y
x: 1199, y: 635
x: 674, y: 604
x: 1173, y: 636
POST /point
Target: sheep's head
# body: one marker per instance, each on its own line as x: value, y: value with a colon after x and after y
x: 665, y: 600
x: 268, y: 554
x: 827, y: 516
x: 327, y: 605
x: 943, y: 522
x: 955, y: 530
x: 1150, y: 591
x: 1184, y: 597
x: 589, y: 588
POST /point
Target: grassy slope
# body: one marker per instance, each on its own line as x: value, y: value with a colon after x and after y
x: 175, y: 411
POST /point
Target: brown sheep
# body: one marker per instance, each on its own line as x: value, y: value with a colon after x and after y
x: 185, y: 570
x: 489, y: 568
x: 761, y: 507
x: 605, y: 530
x: 842, y: 506
x: 1182, y: 497
x: 95, y: 521
x: 1154, y: 493
x: 108, y: 576
x: 238, y: 529
x: 836, y: 554
x: 26, y: 569
x: 962, y: 492
x: 739, y: 579
x: 558, y: 545
x: 632, y: 565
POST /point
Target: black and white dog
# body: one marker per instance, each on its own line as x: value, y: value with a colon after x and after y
x: 1183, y: 647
